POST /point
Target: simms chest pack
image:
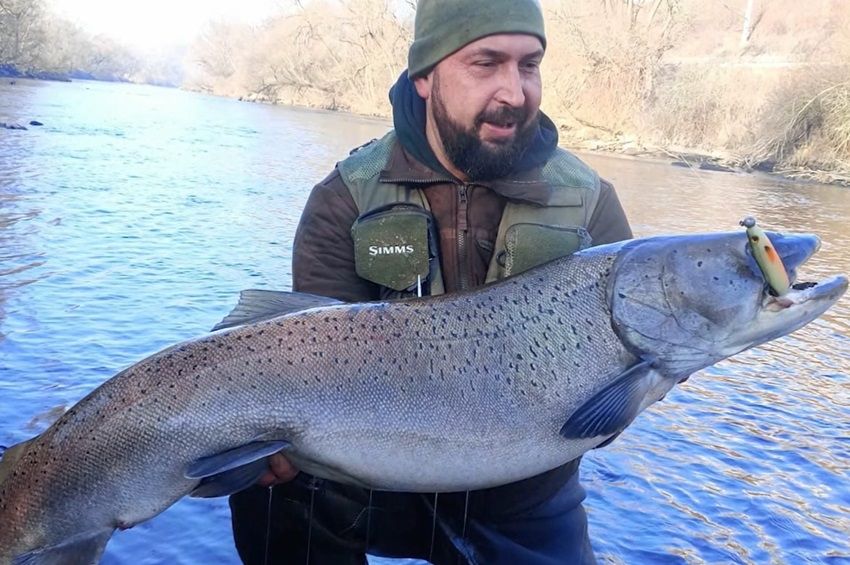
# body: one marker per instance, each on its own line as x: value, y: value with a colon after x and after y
x: 395, y: 246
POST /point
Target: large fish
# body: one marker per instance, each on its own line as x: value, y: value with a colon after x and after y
x: 457, y: 392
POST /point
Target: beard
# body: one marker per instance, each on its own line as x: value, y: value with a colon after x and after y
x: 477, y: 159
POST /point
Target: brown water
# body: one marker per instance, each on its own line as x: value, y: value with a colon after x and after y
x: 135, y: 215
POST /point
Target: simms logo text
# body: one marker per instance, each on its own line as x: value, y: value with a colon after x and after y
x: 375, y: 250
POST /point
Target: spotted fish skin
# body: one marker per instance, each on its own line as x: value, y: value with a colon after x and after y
x: 462, y: 391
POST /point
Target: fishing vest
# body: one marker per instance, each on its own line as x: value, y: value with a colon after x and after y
x: 396, y: 245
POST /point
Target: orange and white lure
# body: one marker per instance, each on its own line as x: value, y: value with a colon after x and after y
x: 767, y: 258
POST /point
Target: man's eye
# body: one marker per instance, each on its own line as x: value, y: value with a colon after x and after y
x: 485, y: 64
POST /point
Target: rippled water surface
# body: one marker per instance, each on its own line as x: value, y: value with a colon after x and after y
x: 133, y: 217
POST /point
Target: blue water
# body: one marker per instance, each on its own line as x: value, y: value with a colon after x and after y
x: 132, y: 219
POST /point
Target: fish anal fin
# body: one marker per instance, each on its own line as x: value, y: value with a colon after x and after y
x: 238, y: 457
x: 258, y: 305
x: 82, y: 549
x: 612, y: 409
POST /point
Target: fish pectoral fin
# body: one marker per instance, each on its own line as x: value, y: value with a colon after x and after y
x: 82, y: 549
x: 611, y: 410
x: 230, y: 482
x: 238, y: 457
x: 258, y: 305
x: 234, y: 470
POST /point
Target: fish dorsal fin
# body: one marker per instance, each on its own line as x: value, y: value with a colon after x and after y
x: 258, y: 305
x: 233, y: 458
x: 612, y: 409
x: 11, y: 456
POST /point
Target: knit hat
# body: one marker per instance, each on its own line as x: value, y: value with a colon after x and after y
x: 444, y: 26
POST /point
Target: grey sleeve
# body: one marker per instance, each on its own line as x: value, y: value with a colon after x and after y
x: 608, y: 223
x: 323, y: 251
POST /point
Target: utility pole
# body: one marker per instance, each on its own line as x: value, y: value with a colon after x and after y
x: 748, y: 21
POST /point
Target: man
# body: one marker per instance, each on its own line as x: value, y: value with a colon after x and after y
x: 471, y: 171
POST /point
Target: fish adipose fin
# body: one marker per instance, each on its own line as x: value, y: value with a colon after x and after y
x: 613, y: 408
x: 259, y: 305
x: 232, y: 471
x: 84, y: 548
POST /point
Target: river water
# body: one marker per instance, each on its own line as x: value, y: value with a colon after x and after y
x: 133, y: 217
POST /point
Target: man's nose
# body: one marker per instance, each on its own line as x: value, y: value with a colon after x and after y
x: 511, y: 88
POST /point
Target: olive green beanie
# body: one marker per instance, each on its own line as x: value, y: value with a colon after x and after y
x: 444, y: 26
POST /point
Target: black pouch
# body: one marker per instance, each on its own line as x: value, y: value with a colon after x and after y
x: 395, y: 246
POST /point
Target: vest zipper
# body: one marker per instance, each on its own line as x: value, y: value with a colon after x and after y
x: 462, y: 228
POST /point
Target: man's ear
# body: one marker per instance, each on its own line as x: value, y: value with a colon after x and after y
x: 423, y: 85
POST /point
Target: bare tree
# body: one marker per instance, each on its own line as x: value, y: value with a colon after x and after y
x: 21, y: 35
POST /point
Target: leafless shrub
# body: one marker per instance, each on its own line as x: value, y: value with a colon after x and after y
x: 707, y: 107
x: 335, y: 55
x: 604, y: 58
x: 807, y: 122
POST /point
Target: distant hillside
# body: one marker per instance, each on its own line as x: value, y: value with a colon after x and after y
x: 36, y: 43
x: 787, y: 30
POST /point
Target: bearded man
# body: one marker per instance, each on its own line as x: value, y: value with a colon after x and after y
x: 468, y: 188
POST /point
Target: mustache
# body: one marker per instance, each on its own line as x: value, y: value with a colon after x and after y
x: 502, y: 116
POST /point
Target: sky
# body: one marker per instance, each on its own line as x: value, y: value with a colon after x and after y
x: 152, y: 24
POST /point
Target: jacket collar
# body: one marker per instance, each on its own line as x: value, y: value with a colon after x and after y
x: 525, y: 186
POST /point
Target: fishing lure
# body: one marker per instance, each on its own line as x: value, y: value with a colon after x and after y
x: 767, y: 258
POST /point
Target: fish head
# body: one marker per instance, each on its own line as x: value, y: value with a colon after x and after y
x: 687, y: 302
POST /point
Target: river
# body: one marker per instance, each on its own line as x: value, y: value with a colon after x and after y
x: 134, y: 216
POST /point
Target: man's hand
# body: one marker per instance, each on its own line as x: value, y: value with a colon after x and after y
x: 280, y: 471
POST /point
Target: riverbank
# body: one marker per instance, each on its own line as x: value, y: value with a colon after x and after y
x: 700, y: 160
x: 12, y: 73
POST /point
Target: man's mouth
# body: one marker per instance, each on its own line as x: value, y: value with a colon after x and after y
x: 501, y: 124
x: 498, y: 129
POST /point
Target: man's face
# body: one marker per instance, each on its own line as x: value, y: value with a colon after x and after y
x: 484, y: 101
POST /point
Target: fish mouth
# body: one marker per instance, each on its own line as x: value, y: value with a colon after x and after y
x: 829, y: 289
x: 805, y: 300
x: 795, y: 250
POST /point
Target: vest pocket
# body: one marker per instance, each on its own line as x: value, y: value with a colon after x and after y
x: 529, y: 245
x: 394, y: 247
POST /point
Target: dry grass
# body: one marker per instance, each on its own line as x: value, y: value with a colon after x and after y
x: 807, y: 123
x: 604, y: 59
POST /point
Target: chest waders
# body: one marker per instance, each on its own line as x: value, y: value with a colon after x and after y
x: 395, y: 239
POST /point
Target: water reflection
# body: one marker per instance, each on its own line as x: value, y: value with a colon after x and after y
x: 135, y: 215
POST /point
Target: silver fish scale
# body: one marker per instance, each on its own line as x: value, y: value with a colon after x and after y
x: 458, y: 392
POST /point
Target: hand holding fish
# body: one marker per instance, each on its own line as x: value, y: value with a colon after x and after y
x: 280, y: 471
